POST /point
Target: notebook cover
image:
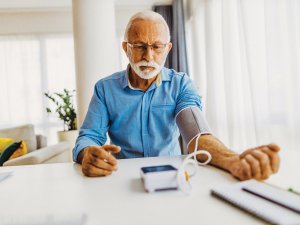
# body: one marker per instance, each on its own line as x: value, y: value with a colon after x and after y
x: 257, y: 206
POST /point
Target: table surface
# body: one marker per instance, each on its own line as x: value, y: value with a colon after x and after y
x: 62, y: 190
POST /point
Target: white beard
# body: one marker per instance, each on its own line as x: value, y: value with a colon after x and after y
x: 146, y: 74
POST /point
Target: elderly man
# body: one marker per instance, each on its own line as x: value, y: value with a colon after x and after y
x: 139, y: 108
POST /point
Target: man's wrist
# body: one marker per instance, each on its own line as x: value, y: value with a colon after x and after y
x: 227, y: 161
x: 222, y: 157
x: 81, y: 155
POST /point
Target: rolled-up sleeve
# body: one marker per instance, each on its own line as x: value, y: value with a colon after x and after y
x: 95, y: 125
x: 190, y: 121
x: 188, y: 95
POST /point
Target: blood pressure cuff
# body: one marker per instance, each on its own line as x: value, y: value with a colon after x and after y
x: 191, y: 122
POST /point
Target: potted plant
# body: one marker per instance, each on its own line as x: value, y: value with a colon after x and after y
x: 66, y: 112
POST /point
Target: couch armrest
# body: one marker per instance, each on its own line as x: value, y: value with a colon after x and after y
x: 41, y: 141
x: 39, y: 156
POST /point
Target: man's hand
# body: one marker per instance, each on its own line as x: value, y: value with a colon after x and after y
x: 258, y: 163
x: 97, y: 160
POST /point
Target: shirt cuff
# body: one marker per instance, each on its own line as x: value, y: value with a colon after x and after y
x: 80, y: 146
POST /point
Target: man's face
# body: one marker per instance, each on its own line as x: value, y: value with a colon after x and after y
x: 147, y: 61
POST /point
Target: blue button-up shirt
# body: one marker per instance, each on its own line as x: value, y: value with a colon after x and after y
x: 142, y: 123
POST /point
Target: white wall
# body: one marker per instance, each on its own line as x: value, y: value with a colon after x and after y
x: 33, y: 4
x: 48, y: 16
x: 27, y: 22
x: 123, y: 14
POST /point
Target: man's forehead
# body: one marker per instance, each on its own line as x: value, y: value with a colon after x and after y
x: 147, y: 31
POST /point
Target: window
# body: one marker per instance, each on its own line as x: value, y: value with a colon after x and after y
x: 31, y: 65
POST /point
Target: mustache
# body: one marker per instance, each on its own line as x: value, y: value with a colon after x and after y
x: 145, y: 63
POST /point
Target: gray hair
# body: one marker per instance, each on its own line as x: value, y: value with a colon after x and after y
x: 147, y: 15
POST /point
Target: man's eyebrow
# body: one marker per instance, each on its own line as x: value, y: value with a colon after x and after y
x: 158, y: 43
x: 140, y: 42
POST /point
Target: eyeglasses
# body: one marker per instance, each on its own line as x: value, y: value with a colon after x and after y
x: 141, y: 48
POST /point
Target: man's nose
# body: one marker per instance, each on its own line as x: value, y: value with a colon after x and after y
x: 148, y: 54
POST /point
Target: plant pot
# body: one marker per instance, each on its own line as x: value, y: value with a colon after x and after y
x: 70, y: 137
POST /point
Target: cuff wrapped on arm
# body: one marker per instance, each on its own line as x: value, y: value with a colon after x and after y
x: 191, y: 122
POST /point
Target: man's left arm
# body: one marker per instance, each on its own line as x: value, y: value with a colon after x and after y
x: 259, y: 162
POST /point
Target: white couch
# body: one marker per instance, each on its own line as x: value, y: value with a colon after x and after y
x: 38, y: 152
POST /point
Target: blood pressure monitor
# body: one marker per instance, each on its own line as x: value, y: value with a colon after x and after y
x: 159, y: 178
x: 192, y: 125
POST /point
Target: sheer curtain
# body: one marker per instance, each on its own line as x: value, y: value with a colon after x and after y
x: 31, y: 65
x: 245, y: 59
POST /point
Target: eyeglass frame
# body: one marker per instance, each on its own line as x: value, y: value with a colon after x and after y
x: 146, y: 46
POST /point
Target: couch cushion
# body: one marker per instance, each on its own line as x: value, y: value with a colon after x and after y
x: 41, y: 156
x: 9, y: 151
x: 22, y: 150
x: 4, y: 142
x: 25, y: 132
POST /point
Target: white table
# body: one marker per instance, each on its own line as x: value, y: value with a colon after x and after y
x: 61, y: 190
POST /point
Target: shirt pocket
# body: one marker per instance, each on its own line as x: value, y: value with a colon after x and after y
x: 167, y: 108
x: 163, y: 115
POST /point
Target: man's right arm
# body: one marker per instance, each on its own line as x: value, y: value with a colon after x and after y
x: 89, y: 149
x: 95, y: 125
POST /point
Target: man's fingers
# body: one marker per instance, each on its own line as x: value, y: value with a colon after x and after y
x: 98, y: 162
x: 241, y: 169
x: 101, y: 164
x: 274, y: 147
x: 246, y: 170
x: 100, y: 152
x: 259, y: 162
x: 91, y: 171
x: 264, y: 161
x: 255, y: 166
x: 250, y: 150
x: 107, y: 157
x: 274, y: 159
x: 271, y: 146
x: 112, y: 148
x: 95, y: 151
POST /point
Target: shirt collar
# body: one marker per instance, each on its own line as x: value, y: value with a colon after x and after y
x: 162, y: 76
x: 165, y: 76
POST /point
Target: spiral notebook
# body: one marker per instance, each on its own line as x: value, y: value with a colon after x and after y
x: 267, y: 202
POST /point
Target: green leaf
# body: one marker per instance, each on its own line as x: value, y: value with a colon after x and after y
x: 64, y: 107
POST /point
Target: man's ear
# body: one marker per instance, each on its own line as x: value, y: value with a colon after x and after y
x: 169, y: 46
x: 124, y: 46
